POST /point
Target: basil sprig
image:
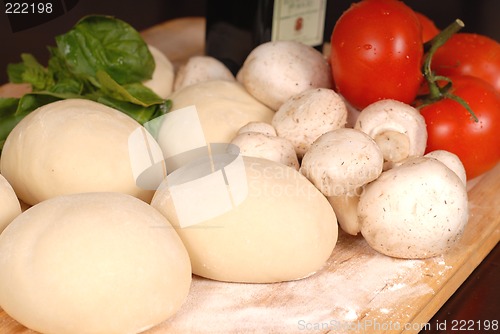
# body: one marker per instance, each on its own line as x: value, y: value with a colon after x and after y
x: 102, y: 59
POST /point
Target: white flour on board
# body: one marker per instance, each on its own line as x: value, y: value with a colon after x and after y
x: 350, y: 286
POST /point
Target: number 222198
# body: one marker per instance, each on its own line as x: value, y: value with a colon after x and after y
x: 28, y: 8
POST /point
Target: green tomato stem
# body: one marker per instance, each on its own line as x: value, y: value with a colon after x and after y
x: 464, y: 104
x: 437, y: 92
x: 434, y: 90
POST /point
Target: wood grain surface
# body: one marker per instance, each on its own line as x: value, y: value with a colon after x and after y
x: 358, y: 290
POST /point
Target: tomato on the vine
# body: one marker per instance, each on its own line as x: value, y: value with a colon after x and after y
x: 451, y: 127
x: 469, y: 54
x: 429, y: 29
x: 376, y: 52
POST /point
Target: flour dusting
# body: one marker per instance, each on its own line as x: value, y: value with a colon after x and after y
x: 355, y: 282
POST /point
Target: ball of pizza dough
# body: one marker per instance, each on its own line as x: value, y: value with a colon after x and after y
x: 10, y: 204
x: 223, y: 108
x: 276, y: 226
x: 92, y: 263
x: 162, y: 81
x: 71, y: 146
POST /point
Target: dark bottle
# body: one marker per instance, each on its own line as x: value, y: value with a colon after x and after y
x: 234, y: 28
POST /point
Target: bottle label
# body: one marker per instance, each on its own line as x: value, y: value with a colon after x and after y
x: 299, y: 20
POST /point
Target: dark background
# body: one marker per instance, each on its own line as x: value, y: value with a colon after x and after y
x: 480, y: 16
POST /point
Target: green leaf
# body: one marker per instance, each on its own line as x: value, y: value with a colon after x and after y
x: 32, y: 101
x: 135, y: 93
x: 8, y: 106
x: 140, y: 113
x: 65, y: 80
x: 8, y: 123
x: 30, y: 71
x: 102, y: 59
x: 10, y: 117
x: 108, y: 44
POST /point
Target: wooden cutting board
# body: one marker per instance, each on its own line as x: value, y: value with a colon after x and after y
x: 358, y: 290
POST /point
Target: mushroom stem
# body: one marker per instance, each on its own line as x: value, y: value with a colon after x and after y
x: 346, y: 209
x: 398, y: 129
x: 395, y: 146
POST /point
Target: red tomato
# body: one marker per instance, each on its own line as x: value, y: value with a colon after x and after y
x: 376, y: 52
x: 469, y: 54
x: 451, y: 128
x: 429, y: 29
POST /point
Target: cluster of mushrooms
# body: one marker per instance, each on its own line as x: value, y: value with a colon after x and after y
x: 370, y: 164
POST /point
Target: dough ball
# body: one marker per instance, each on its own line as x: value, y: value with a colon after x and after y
x: 223, y: 108
x: 71, y: 146
x: 162, y: 82
x: 281, y: 229
x: 92, y: 263
x: 10, y: 204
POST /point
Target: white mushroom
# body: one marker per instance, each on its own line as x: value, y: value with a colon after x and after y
x: 200, y: 69
x: 346, y: 209
x: 259, y: 145
x: 352, y: 114
x: 415, y: 210
x: 451, y: 160
x: 275, y: 71
x: 340, y: 163
x: 260, y: 127
x: 398, y: 128
x: 309, y: 114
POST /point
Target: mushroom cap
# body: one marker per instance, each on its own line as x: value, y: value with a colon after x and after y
x: 451, y: 160
x: 275, y: 71
x: 416, y: 210
x: 260, y: 127
x: 255, y: 144
x: 307, y: 115
x: 200, y: 69
x: 387, y: 116
x: 341, y: 161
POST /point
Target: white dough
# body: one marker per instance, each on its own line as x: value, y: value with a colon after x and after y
x: 92, y: 263
x: 223, y: 108
x: 9, y: 204
x: 71, y: 146
x: 284, y: 229
x: 162, y: 82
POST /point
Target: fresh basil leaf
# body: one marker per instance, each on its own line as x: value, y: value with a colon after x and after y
x: 8, y: 106
x: 6, y: 126
x: 102, y: 59
x: 30, y: 71
x: 136, y: 93
x: 65, y: 80
x: 30, y: 102
x: 143, y: 94
x: 140, y: 113
x: 10, y: 117
x: 104, y: 43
